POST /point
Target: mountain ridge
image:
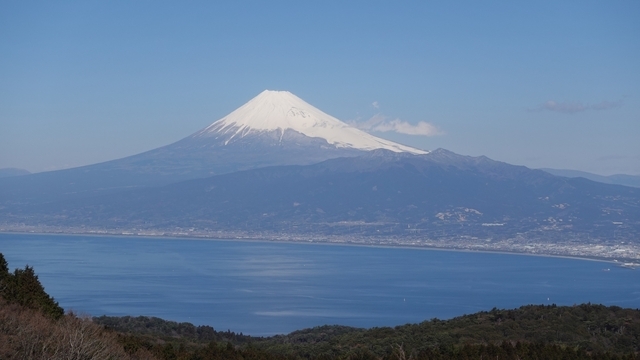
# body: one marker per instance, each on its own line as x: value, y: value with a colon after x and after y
x: 440, y: 196
x: 617, y: 179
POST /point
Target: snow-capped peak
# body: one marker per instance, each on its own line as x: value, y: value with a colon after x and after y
x: 281, y: 111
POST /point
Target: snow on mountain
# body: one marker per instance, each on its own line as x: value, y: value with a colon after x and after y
x: 280, y: 111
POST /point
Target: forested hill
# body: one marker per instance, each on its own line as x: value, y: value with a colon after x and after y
x: 529, y: 332
x: 592, y: 328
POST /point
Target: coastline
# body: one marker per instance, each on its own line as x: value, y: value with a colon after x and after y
x: 631, y: 263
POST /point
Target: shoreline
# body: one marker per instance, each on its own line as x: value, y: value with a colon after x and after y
x: 615, y: 261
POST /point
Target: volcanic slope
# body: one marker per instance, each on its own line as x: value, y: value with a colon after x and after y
x: 274, y: 128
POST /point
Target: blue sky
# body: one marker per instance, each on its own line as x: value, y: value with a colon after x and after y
x: 542, y: 84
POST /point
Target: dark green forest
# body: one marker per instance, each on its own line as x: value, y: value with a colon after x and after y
x: 34, y: 326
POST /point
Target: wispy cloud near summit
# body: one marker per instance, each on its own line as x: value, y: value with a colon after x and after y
x: 381, y: 123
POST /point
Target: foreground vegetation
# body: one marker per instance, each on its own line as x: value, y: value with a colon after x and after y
x: 34, y: 326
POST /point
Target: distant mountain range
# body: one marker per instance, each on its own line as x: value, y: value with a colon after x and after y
x: 279, y: 167
x: 8, y: 172
x: 619, y: 179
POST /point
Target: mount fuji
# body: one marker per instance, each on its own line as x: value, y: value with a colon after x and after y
x: 274, y: 128
x: 281, y: 168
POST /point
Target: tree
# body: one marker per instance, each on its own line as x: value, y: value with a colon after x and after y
x: 4, y: 267
x: 23, y: 288
x: 4, y: 273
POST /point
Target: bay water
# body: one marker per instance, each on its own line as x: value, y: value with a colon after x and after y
x: 266, y: 288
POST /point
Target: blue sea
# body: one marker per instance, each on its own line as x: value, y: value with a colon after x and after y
x: 265, y: 288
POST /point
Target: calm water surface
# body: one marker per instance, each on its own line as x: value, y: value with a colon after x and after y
x: 263, y: 288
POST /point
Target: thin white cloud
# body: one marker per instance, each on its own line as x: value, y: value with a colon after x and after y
x: 605, y: 105
x: 422, y: 128
x: 375, y: 105
x: 564, y: 107
x: 573, y: 107
x: 380, y: 123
